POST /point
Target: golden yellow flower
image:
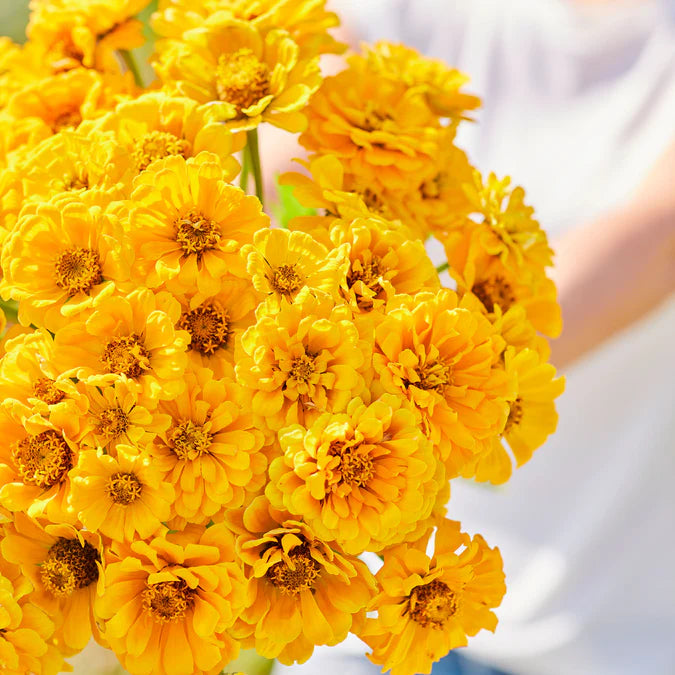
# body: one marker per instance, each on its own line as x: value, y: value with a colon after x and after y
x: 363, y: 478
x: 168, y: 603
x: 64, y: 564
x: 25, y: 630
x: 216, y: 324
x: 306, y: 360
x: 304, y: 592
x: 380, y: 130
x: 132, y: 335
x: 77, y: 33
x: 189, y: 225
x: 428, y: 606
x: 156, y: 125
x: 283, y: 263
x: 532, y: 415
x: 444, y: 358
x: 116, y: 416
x: 121, y: 497
x: 36, y: 458
x: 62, y: 257
x: 211, y: 451
x: 254, y: 77
x: 20, y: 66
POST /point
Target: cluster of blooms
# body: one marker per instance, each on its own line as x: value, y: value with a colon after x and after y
x: 206, y: 421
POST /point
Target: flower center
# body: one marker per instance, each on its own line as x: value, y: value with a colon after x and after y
x: 369, y: 273
x: 432, y: 188
x: 195, y: 233
x: 494, y: 291
x: 78, y: 270
x: 432, y: 604
x: 241, y: 79
x: 189, y: 441
x: 296, y: 575
x: 356, y: 464
x: 158, y: 145
x: 374, y: 119
x: 168, y: 601
x: 435, y: 375
x: 285, y: 280
x: 46, y: 390
x: 126, y: 355
x: 66, y: 120
x: 124, y: 488
x: 43, y: 459
x: 515, y: 415
x: 76, y: 182
x: 69, y: 566
x: 209, y: 328
x: 302, y: 368
x: 112, y: 422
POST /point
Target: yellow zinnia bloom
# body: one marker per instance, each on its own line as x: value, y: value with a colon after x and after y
x: 65, y: 566
x: 132, y: 335
x: 62, y: 257
x: 307, y: 359
x: 428, y: 606
x: 168, y: 604
x: 187, y: 224
x: 304, y: 591
x: 363, y: 478
x: 283, y: 263
x: 20, y: 66
x: 211, y: 451
x: 444, y: 358
x: 121, y: 497
x: 249, y: 76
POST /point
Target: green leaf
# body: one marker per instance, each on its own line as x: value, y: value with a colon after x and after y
x: 288, y: 207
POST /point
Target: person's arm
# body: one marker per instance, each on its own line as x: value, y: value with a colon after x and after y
x: 615, y: 269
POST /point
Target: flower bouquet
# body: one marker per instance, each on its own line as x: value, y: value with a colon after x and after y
x: 209, y: 419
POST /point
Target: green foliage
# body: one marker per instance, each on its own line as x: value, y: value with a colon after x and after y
x: 288, y: 206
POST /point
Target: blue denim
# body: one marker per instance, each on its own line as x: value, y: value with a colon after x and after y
x: 456, y: 664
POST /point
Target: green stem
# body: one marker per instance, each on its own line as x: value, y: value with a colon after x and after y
x: 442, y: 267
x: 254, y: 154
x: 245, y: 168
x: 132, y: 66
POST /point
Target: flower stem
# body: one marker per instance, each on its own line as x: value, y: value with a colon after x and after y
x: 254, y: 154
x: 442, y: 267
x: 245, y: 168
x: 132, y: 66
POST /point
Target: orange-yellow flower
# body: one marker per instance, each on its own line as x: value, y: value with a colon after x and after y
x: 428, y: 606
x: 168, y: 604
x: 304, y: 591
x: 363, y: 478
x: 65, y: 566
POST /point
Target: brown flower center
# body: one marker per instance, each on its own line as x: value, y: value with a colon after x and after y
x: 124, y: 488
x: 241, y: 79
x: 78, y: 270
x: 76, y: 182
x: 126, y: 355
x: 296, y: 575
x: 112, y: 422
x: 158, y: 145
x: 369, y: 273
x: 67, y: 120
x: 168, y: 601
x: 46, y: 390
x: 189, y: 441
x: 434, y: 375
x: 432, y: 188
x: 356, y: 463
x: 302, y: 368
x: 69, y: 566
x: 515, y: 415
x: 432, y: 604
x: 43, y: 459
x: 209, y: 328
x: 285, y: 279
x: 195, y: 233
x: 494, y: 291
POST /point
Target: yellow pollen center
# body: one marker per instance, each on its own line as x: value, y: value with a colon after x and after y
x: 285, y: 280
x: 432, y: 188
x: 78, y: 270
x: 435, y: 375
x: 195, y: 233
x: 356, y: 463
x: 126, y: 355
x: 241, y: 79
x: 124, y: 488
x: 158, y: 145
x: 209, y: 328
x: 374, y: 119
x: 46, y: 390
x: 515, y: 415
x: 75, y: 182
x: 369, y: 273
x: 43, y: 459
x: 302, y: 368
x: 112, y: 422
x: 494, y: 291
x: 296, y: 575
x: 432, y: 604
x: 69, y: 566
x: 168, y: 601
x: 189, y: 441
